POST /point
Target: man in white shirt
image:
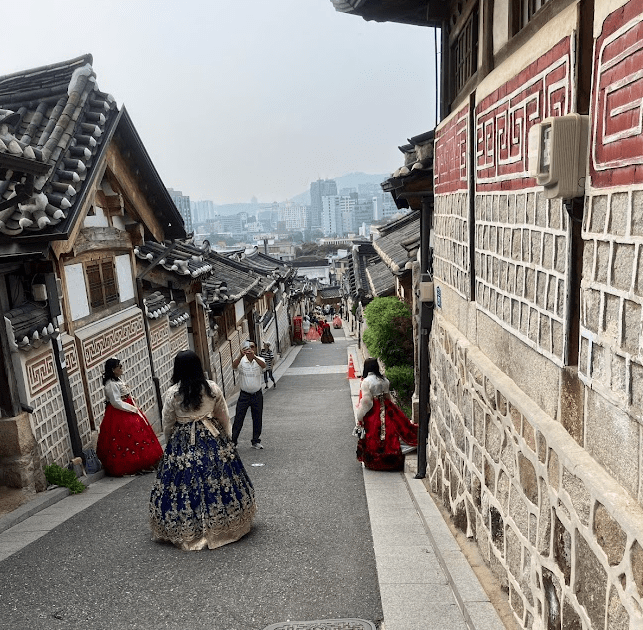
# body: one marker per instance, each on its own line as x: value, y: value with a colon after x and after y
x: 249, y: 367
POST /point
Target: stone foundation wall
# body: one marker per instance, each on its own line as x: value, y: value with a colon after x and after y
x: 562, y: 535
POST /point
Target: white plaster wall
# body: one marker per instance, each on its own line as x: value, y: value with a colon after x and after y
x: 76, y: 291
x: 238, y: 310
x: 500, y: 25
x: 124, y: 275
x: 98, y: 220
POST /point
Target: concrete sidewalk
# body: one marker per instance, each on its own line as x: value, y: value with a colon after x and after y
x: 426, y: 581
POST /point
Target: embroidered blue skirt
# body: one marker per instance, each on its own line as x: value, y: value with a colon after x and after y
x: 202, y: 495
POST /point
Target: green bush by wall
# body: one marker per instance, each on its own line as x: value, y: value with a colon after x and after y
x: 389, y: 335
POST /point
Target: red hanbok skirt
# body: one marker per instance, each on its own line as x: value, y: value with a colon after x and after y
x: 127, y: 442
x: 337, y: 321
x: 385, y: 454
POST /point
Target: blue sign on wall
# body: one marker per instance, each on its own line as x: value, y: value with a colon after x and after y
x: 438, y: 297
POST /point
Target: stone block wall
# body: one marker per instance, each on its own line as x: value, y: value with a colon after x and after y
x: 610, y: 361
x: 451, y: 248
x: 36, y: 372
x: 521, y: 257
x: 77, y: 390
x: 561, y: 534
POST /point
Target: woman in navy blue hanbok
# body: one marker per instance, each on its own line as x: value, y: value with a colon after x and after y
x: 202, y: 495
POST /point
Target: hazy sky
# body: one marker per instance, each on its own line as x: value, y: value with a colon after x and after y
x: 242, y: 98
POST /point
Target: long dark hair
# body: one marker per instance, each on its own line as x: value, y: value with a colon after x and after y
x: 188, y: 373
x: 372, y: 366
x: 110, y: 366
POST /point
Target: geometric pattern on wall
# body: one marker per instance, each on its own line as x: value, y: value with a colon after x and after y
x: 612, y: 297
x: 504, y: 118
x: 127, y: 342
x: 112, y: 341
x: 49, y: 425
x: 451, y: 154
x: 162, y: 356
x: 451, y: 262
x: 617, y: 109
x: 521, y: 263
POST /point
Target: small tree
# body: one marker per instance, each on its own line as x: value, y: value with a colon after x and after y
x: 389, y: 335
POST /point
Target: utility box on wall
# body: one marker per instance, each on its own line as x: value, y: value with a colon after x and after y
x: 558, y: 155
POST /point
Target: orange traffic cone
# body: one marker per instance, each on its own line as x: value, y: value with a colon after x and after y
x: 351, y: 367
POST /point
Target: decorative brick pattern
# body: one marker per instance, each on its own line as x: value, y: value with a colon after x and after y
x: 49, y: 425
x: 451, y: 249
x: 41, y: 373
x: 504, y: 118
x: 616, y: 156
x: 521, y: 259
x: 136, y: 366
x: 112, y: 341
x: 451, y: 154
x: 563, y: 539
x: 162, y: 356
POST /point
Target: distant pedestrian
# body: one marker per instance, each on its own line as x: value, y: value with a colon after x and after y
x: 268, y: 356
x: 380, y: 423
x: 127, y: 443
x: 202, y: 495
x: 249, y: 367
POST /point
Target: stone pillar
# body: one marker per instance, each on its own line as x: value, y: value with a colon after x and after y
x: 20, y: 465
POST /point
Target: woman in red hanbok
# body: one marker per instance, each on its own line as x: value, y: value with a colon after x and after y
x: 381, y: 423
x: 127, y: 443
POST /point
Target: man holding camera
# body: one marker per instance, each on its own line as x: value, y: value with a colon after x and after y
x: 249, y: 367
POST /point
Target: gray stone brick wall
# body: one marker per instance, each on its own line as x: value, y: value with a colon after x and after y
x: 561, y: 534
x: 451, y: 245
x: 521, y: 260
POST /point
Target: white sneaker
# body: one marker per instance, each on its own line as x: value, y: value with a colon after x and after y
x: 258, y: 446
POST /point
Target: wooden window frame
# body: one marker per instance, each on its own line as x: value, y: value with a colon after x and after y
x: 102, y: 283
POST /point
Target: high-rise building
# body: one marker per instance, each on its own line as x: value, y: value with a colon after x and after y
x: 182, y: 202
x: 337, y: 214
x: 202, y: 211
x: 294, y: 216
x: 320, y: 188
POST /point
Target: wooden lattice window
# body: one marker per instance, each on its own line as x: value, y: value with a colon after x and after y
x: 464, y: 52
x: 523, y: 12
x: 101, y: 282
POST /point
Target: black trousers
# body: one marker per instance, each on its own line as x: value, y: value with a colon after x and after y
x: 255, y: 403
x: 268, y: 373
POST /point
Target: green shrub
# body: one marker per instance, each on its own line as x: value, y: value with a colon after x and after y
x: 402, y: 380
x: 58, y: 476
x: 389, y: 335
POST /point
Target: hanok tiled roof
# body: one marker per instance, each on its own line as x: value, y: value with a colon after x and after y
x: 266, y: 264
x: 156, y: 305
x: 309, y: 261
x: 401, y: 11
x: 380, y: 278
x: 56, y: 117
x: 330, y: 292
x: 396, y: 237
x: 223, y: 279
x: 358, y: 285
x: 177, y: 317
x: 182, y: 259
x: 30, y: 326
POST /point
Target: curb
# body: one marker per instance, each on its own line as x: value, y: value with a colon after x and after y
x: 43, y: 501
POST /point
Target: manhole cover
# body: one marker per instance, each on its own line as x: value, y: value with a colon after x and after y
x: 324, y: 624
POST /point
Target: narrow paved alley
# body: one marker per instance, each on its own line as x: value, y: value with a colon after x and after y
x: 309, y: 555
x: 331, y: 540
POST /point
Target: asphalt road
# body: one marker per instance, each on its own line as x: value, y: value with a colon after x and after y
x: 309, y: 555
